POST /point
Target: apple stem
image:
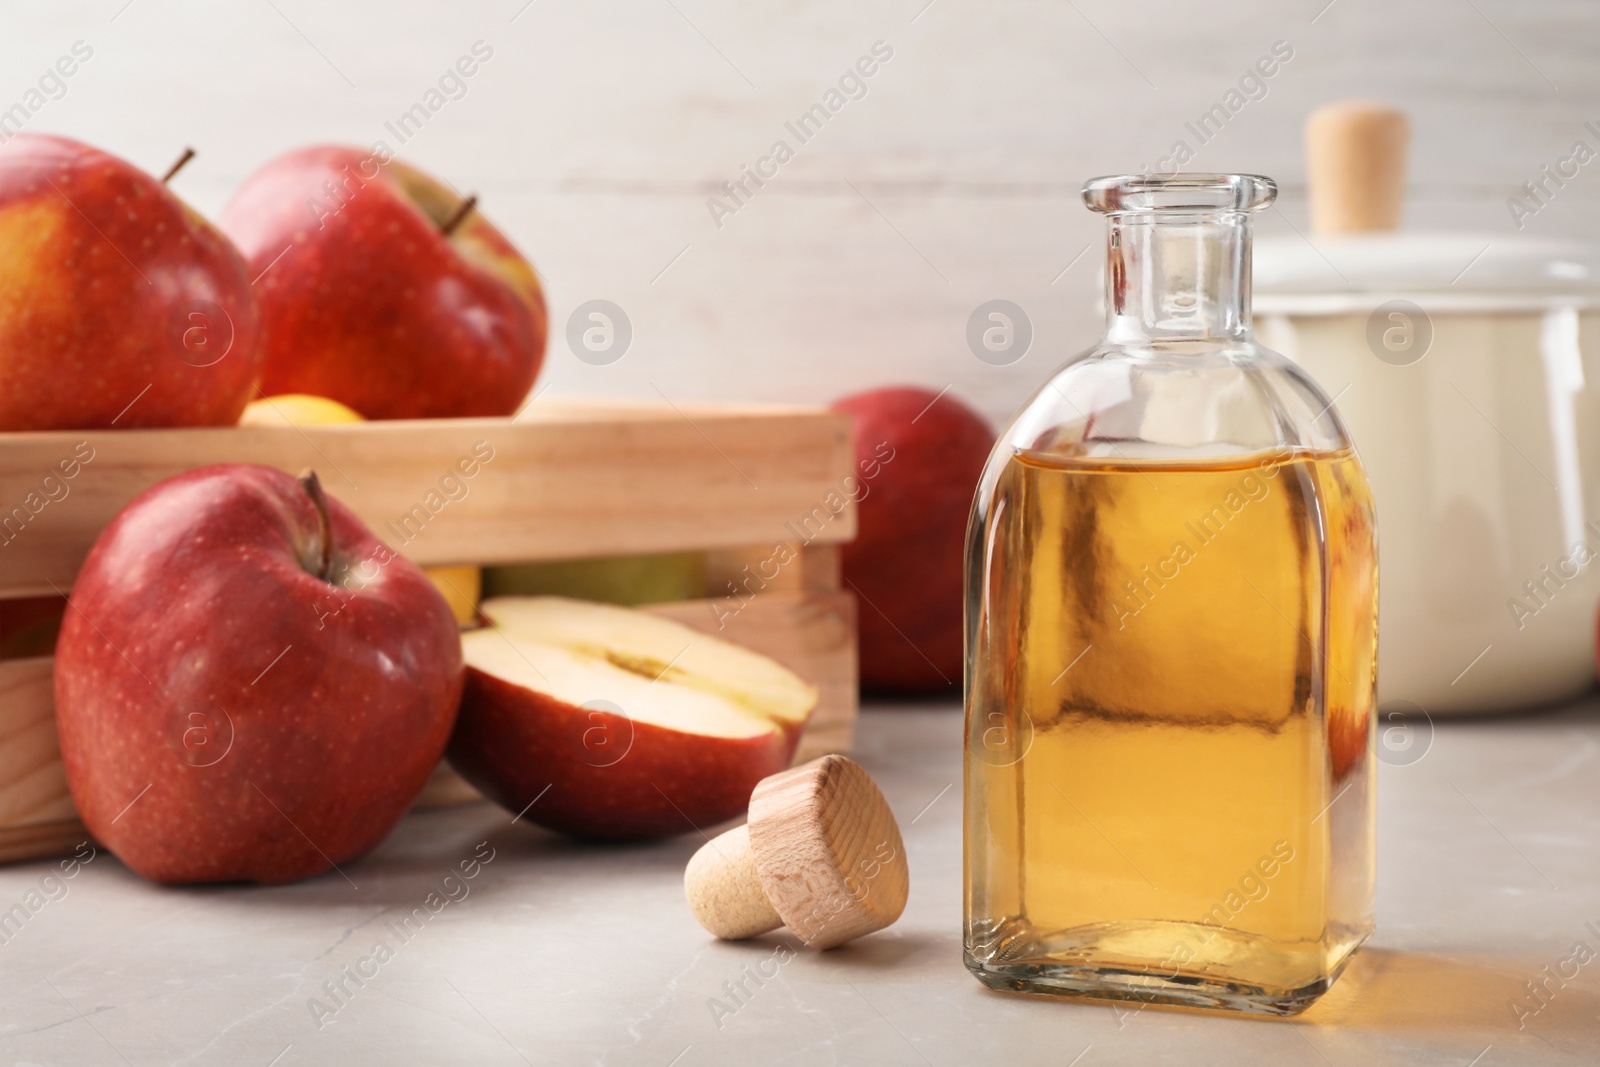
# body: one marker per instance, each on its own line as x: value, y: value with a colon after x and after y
x: 188, y: 154
x: 460, y: 215
x: 313, y: 488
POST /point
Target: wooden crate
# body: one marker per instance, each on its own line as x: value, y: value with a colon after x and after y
x: 567, y: 480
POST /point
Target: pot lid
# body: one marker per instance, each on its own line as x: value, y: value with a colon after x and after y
x: 1426, y: 262
x: 1355, y: 184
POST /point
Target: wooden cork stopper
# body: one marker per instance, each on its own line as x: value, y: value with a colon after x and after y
x: 1356, y: 166
x: 820, y: 854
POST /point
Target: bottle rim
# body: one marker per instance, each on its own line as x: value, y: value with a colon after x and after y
x: 1125, y: 194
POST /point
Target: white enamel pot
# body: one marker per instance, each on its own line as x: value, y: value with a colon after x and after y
x: 1466, y: 368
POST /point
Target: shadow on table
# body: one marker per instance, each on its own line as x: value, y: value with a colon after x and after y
x: 1469, y: 997
x: 882, y: 952
x: 453, y: 853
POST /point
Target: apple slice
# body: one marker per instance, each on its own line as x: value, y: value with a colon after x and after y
x: 659, y: 648
x: 606, y: 722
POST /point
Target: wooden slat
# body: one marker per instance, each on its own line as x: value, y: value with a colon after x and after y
x: 821, y: 568
x: 609, y: 407
x: 33, y: 786
x: 41, y: 839
x: 739, y: 572
x: 574, y: 480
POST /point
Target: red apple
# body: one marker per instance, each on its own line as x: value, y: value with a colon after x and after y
x: 1347, y: 736
x: 605, y: 722
x: 919, y: 455
x: 118, y: 304
x: 249, y: 685
x: 375, y: 293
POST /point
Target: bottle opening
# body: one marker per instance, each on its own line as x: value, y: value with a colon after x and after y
x: 1123, y: 194
x: 1178, y: 254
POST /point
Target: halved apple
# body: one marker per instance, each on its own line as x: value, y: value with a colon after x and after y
x: 603, y: 721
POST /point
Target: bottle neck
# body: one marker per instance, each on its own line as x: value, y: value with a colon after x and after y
x: 1178, y: 277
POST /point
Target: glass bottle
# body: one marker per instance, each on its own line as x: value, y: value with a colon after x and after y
x: 1171, y: 639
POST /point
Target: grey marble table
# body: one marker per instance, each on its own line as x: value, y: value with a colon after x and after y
x: 1489, y: 856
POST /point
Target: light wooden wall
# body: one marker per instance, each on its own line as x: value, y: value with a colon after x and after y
x: 597, y: 131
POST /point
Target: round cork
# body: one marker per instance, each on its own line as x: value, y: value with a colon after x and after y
x: 821, y: 854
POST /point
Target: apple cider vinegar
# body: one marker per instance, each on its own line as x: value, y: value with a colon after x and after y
x: 1149, y: 764
x: 1171, y: 642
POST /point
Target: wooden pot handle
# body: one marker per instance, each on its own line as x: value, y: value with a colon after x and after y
x: 1356, y: 166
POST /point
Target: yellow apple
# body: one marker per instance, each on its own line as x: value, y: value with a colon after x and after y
x: 296, y: 409
x: 461, y: 584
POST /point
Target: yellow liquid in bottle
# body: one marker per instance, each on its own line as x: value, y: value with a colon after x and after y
x: 1169, y: 752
